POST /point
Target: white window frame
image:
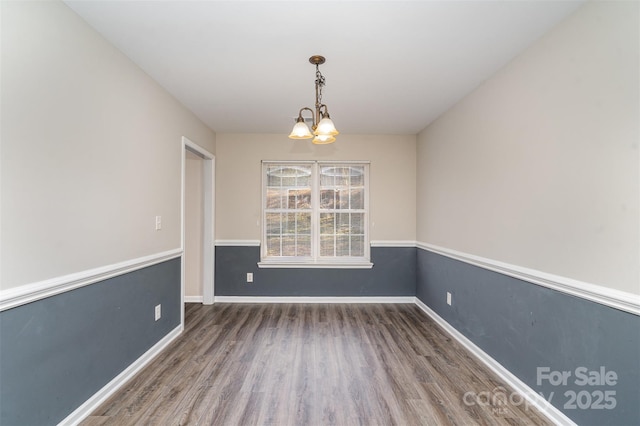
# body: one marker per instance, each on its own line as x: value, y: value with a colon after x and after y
x: 315, y: 260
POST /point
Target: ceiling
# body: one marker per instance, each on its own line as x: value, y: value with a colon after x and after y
x: 392, y: 66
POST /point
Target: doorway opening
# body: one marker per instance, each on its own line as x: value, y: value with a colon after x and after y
x: 198, y: 234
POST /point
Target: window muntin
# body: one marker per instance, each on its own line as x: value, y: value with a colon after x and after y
x: 315, y: 212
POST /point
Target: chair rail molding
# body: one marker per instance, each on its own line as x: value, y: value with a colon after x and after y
x: 28, y: 293
x: 617, y: 299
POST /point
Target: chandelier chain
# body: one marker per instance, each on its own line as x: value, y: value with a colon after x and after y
x: 320, y: 83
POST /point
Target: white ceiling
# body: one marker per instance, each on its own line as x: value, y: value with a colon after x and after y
x: 392, y: 67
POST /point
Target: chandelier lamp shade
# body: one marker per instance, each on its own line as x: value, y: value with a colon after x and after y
x: 323, y: 131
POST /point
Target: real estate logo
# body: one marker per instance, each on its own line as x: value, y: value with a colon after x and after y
x: 585, y: 398
x: 590, y: 390
x: 498, y: 399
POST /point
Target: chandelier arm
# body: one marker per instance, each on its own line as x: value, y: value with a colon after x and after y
x: 302, y: 109
x: 324, y: 114
x: 300, y: 118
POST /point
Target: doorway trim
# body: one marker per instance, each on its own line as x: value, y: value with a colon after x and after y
x: 208, y: 198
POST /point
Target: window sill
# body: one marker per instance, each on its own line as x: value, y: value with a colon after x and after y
x: 322, y: 265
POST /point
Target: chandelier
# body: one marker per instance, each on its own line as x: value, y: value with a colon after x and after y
x: 324, y: 131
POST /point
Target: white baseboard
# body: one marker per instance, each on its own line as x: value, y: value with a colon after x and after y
x: 266, y: 299
x: 193, y: 299
x: 518, y: 385
x: 114, y: 385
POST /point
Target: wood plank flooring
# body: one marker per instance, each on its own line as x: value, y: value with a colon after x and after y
x: 314, y: 364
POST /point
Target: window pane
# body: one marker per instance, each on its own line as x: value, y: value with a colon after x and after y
x: 288, y: 186
x: 298, y: 199
x: 291, y: 199
x: 303, y: 223
x: 342, y: 199
x: 357, y: 223
x: 326, y: 179
x: 342, y: 245
x: 327, y: 198
x: 304, y: 180
x: 342, y: 175
x: 326, y: 245
x: 357, y: 246
x: 273, y: 198
x: 327, y: 223
x: 288, y: 223
x: 342, y: 223
x: 357, y: 198
x: 293, y: 245
x: 273, y: 223
x: 357, y: 175
x: 304, y: 245
x: 273, y: 180
x: 289, y: 181
x: 336, y: 175
x: 288, y: 245
x: 273, y: 246
x: 303, y: 198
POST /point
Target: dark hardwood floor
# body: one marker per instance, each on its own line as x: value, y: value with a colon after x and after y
x: 314, y: 364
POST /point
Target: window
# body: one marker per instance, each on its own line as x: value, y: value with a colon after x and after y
x: 315, y: 213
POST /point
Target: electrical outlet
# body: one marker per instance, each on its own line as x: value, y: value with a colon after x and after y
x: 249, y: 277
x: 158, y: 312
x: 448, y: 298
x: 158, y: 223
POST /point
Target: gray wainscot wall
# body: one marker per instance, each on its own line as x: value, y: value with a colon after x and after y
x: 58, y: 352
x: 525, y: 326
x: 393, y: 275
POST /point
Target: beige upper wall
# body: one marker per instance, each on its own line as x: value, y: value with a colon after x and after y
x: 539, y: 166
x: 238, y: 179
x: 91, y: 149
